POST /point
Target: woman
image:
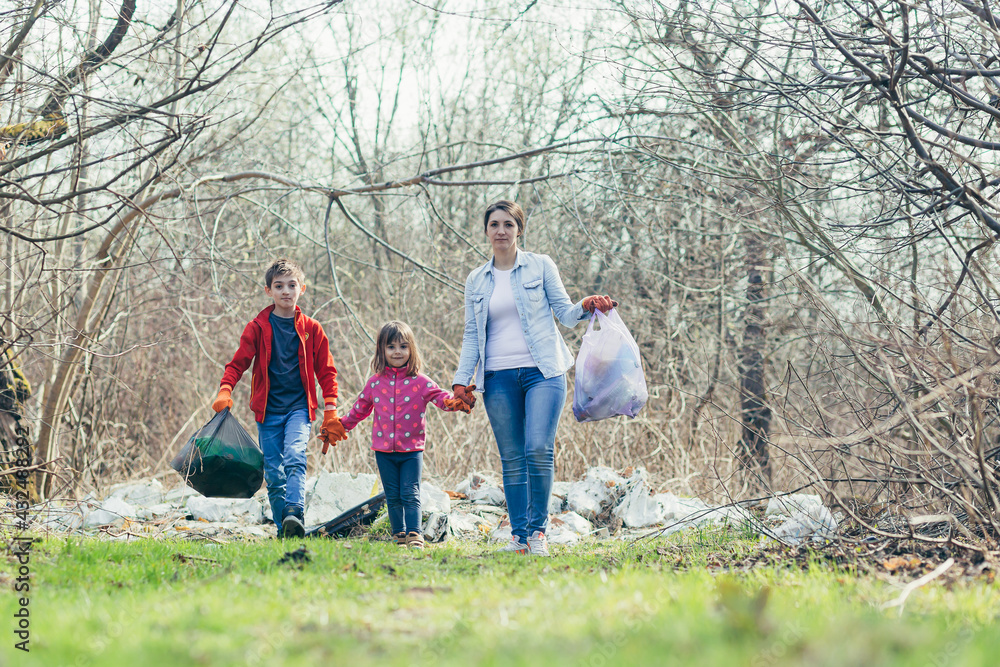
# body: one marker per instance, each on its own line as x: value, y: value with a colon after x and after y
x: 511, y: 349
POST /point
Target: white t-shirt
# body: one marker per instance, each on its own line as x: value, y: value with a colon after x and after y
x: 506, y: 346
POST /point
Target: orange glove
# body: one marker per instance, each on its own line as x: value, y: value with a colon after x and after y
x: 224, y: 399
x: 332, y: 430
x: 601, y: 303
x: 465, y: 393
x: 456, y: 405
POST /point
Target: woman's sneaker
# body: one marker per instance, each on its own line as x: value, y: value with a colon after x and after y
x: 514, y: 546
x: 537, y: 544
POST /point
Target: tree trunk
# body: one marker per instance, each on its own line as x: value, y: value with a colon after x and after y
x: 113, y: 252
x: 755, y: 415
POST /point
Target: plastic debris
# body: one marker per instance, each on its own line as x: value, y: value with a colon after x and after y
x: 557, y: 501
x: 436, y: 527
x: 604, y: 493
x: 792, y: 503
x: 558, y: 533
x: 482, y: 488
x: 465, y: 526
x: 246, y: 510
x: 140, y: 494
x: 158, y: 511
x: 599, y: 489
x: 110, y: 512
x: 353, y: 518
x: 637, y: 507
x: 818, y: 525
x: 803, y: 516
x: 681, y: 509
x: 61, y: 518
x: 568, y: 528
x: 433, y: 500
x: 680, y: 513
x: 331, y: 494
x: 179, y: 495
x: 502, y: 533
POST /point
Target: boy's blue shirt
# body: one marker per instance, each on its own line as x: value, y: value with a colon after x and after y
x: 538, y: 294
x: 286, y: 393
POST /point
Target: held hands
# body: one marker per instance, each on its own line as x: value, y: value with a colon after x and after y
x: 332, y: 430
x: 465, y: 395
x: 224, y: 399
x: 456, y: 405
x: 598, y: 302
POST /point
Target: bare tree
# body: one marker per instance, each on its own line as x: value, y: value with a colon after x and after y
x: 864, y: 131
x: 109, y: 133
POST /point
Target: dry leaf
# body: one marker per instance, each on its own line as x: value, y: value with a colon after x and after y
x: 900, y: 563
x: 894, y: 563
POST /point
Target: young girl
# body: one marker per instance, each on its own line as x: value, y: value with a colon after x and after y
x: 399, y: 396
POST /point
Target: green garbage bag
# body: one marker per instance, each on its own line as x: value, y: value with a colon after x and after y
x: 221, y: 460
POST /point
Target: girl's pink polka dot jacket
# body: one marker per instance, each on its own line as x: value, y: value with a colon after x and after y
x: 399, y: 402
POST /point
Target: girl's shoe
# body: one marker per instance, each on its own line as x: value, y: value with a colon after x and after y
x: 514, y: 546
x: 537, y: 544
x: 415, y: 540
x: 400, y: 538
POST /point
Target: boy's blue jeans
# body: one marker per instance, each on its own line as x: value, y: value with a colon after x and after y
x: 524, y: 409
x: 400, y: 474
x: 283, y: 439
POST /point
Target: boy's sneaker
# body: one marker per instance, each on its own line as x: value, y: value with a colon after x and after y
x: 514, y: 546
x: 537, y: 544
x: 292, y: 525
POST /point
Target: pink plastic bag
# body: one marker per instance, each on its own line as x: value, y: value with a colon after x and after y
x: 609, y: 378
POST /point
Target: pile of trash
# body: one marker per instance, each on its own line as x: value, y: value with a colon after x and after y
x: 604, y: 504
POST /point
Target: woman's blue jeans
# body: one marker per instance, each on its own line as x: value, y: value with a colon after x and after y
x: 524, y: 409
x: 283, y: 439
x: 400, y: 474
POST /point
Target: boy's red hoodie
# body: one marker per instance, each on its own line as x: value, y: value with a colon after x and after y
x: 314, y: 357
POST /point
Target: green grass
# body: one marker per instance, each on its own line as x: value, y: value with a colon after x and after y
x: 358, y: 602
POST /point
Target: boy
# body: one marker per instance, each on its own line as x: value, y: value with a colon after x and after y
x: 287, y: 349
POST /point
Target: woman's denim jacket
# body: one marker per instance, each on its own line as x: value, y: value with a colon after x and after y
x: 538, y: 294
